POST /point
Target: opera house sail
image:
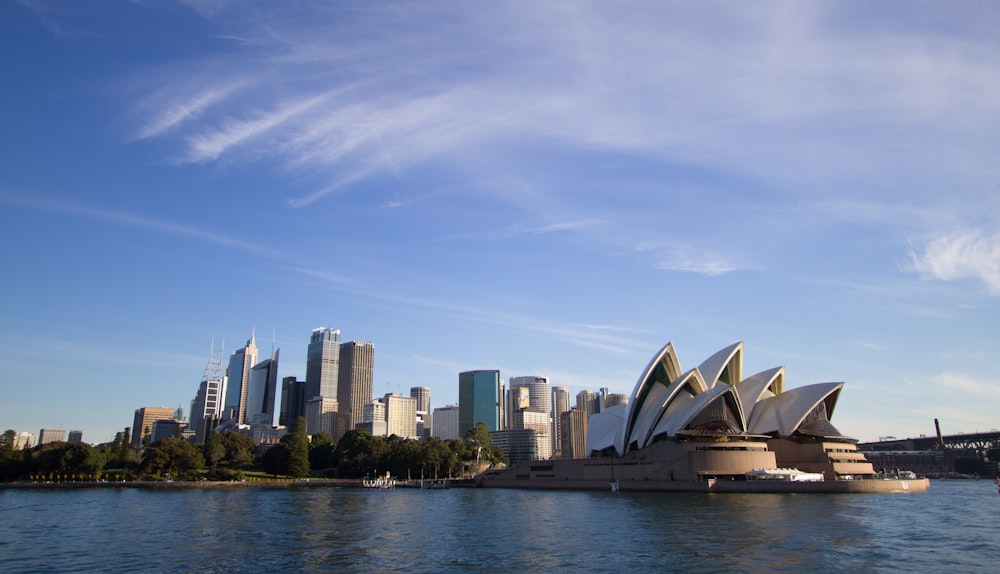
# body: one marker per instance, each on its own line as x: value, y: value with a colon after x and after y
x: 709, y: 428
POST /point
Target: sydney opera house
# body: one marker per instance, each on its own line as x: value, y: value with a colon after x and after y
x: 712, y: 429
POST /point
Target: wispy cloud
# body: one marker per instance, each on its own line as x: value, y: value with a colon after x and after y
x: 687, y: 259
x: 969, y: 254
x: 177, y: 113
x: 55, y: 205
x: 969, y: 385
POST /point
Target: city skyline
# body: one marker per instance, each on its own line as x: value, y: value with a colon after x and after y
x: 544, y: 190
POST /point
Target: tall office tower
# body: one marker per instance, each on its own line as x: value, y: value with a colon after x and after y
x: 479, y: 400
x: 323, y: 363
x: 574, y: 433
x: 539, y: 395
x: 586, y: 401
x: 354, y: 383
x: 541, y: 423
x: 560, y: 404
x: 518, y: 399
x: 46, y: 436
x: 321, y: 415
x: 400, y: 416
x: 423, y: 396
x: 444, y: 423
x: 206, y: 408
x: 24, y: 440
x: 142, y: 425
x: 263, y: 386
x: 374, y: 411
x: 615, y: 399
x: 238, y: 379
x: 293, y: 401
x: 75, y: 436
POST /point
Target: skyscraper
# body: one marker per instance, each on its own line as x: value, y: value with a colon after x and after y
x: 445, y: 423
x: 586, y: 401
x: 479, y: 398
x: 207, y: 406
x: 354, y: 383
x: 293, y: 401
x: 262, y: 385
x: 238, y: 380
x: 323, y: 363
x: 423, y: 396
x: 142, y: 425
x: 574, y: 433
x: 46, y: 436
x: 560, y: 404
x: 400, y: 416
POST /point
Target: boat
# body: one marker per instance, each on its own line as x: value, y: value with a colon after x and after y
x: 381, y: 482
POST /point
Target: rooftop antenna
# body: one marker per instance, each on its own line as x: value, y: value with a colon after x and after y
x: 274, y: 334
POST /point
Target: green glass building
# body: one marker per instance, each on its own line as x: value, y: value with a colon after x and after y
x: 479, y: 400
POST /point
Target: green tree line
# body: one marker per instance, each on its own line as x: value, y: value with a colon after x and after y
x: 227, y: 456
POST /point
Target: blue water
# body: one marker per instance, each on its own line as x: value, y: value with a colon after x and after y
x: 952, y: 528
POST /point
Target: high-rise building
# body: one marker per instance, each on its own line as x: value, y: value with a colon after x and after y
x: 321, y: 415
x: 323, y: 363
x: 423, y: 396
x: 238, y: 379
x: 24, y: 440
x: 293, y: 401
x: 586, y: 401
x: 615, y: 399
x: 400, y: 416
x: 560, y: 404
x: 207, y: 406
x: 374, y: 411
x: 354, y: 383
x: 262, y: 387
x: 479, y: 400
x: 142, y: 425
x: 522, y: 444
x: 574, y: 433
x: 445, y: 423
x: 541, y: 423
x: 46, y: 436
x: 75, y: 436
x: 539, y: 395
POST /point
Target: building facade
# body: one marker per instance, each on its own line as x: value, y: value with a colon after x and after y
x: 45, y: 436
x: 238, y: 379
x: 142, y: 424
x: 445, y: 423
x: 262, y: 387
x: 479, y: 400
x: 323, y: 363
x: 354, y: 383
x: 293, y: 401
x: 573, y: 426
x: 400, y: 416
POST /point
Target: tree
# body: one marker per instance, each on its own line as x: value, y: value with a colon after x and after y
x: 298, y: 449
x: 321, y: 452
x: 360, y: 454
x: 239, y: 450
x: 213, y: 450
x: 7, y: 442
x: 177, y: 457
x: 65, y: 458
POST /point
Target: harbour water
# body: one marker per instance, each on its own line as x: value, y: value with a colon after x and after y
x: 953, y: 528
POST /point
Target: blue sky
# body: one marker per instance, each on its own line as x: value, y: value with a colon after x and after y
x: 550, y: 189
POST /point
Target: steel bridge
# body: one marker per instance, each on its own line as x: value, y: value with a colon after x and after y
x: 979, y: 441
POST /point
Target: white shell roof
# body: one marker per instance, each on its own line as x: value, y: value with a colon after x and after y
x: 714, y: 366
x: 603, y: 428
x: 657, y: 407
x: 784, y: 413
